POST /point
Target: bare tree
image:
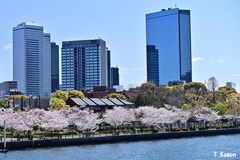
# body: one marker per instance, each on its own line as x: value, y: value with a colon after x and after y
x: 213, y: 87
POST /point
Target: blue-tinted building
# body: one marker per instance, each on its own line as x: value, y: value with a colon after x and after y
x: 168, y: 39
x: 32, y: 59
x: 109, y: 68
x: 114, y: 76
x: 54, y: 67
x: 84, y: 64
x: 231, y: 84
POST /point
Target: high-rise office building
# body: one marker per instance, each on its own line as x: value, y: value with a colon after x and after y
x: 8, y: 86
x: 114, y: 76
x: 32, y: 59
x: 109, y: 68
x: 168, y: 38
x: 54, y: 67
x: 84, y: 64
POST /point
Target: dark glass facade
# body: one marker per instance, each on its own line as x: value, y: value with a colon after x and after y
x: 114, y: 76
x: 109, y: 68
x: 54, y: 67
x: 153, y: 64
x: 168, y: 38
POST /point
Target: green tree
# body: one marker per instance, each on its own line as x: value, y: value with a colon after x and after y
x: 149, y: 85
x: 132, y: 94
x: 208, y: 102
x: 76, y: 94
x: 221, y: 108
x: 147, y: 94
x: 2, y: 103
x: 18, y: 97
x: 227, y: 89
x: 194, y: 101
x: 161, y: 97
x: 116, y: 95
x: 196, y: 88
x: 195, y: 93
x: 233, y: 102
x: 57, y: 104
x: 223, y: 93
x: 61, y: 95
x: 175, y: 95
x: 186, y: 107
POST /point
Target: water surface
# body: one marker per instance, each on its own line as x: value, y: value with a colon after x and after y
x: 199, y: 148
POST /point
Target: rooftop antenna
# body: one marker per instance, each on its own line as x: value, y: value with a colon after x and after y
x: 175, y: 5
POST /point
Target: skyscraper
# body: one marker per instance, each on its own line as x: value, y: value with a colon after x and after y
x: 54, y: 67
x: 109, y: 68
x: 168, y: 38
x: 84, y: 64
x: 32, y: 59
x: 114, y: 76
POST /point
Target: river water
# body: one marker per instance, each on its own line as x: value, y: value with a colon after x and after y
x: 200, y: 148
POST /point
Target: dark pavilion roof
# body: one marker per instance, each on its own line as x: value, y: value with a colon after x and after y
x: 94, y: 102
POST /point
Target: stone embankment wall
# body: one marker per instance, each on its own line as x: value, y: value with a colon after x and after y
x: 114, y: 139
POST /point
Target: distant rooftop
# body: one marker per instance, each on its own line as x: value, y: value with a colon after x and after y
x: 29, y: 23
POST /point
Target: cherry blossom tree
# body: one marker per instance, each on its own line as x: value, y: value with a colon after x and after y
x: 15, y: 120
x: 4, y: 115
x: 34, y: 117
x: 207, y: 114
x: 118, y: 116
x: 84, y: 120
x: 153, y: 117
x: 182, y: 115
x: 54, y: 120
x: 150, y: 116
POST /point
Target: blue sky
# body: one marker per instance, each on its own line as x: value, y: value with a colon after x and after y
x: 215, y: 28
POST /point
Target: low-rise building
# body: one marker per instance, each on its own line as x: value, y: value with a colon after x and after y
x: 231, y: 84
x: 98, y: 104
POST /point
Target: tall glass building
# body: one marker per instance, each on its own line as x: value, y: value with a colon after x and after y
x: 168, y: 40
x: 114, y: 76
x: 84, y: 64
x: 54, y: 67
x: 32, y: 59
x: 109, y: 68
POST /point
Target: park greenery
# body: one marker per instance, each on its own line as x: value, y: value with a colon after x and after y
x: 2, y: 102
x: 224, y: 100
x: 18, y: 97
x: 116, y: 95
x: 58, y: 101
x: 86, y: 121
x: 156, y: 109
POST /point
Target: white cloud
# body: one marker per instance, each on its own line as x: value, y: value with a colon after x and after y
x: 220, y: 61
x: 236, y: 75
x: 9, y: 46
x: 197, y: 59
x: 124, y: 70
x: 136, y: 69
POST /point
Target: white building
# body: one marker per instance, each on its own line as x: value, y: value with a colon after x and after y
x: 32, y: 59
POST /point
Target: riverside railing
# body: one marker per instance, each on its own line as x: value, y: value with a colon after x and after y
x: 107, y: 130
